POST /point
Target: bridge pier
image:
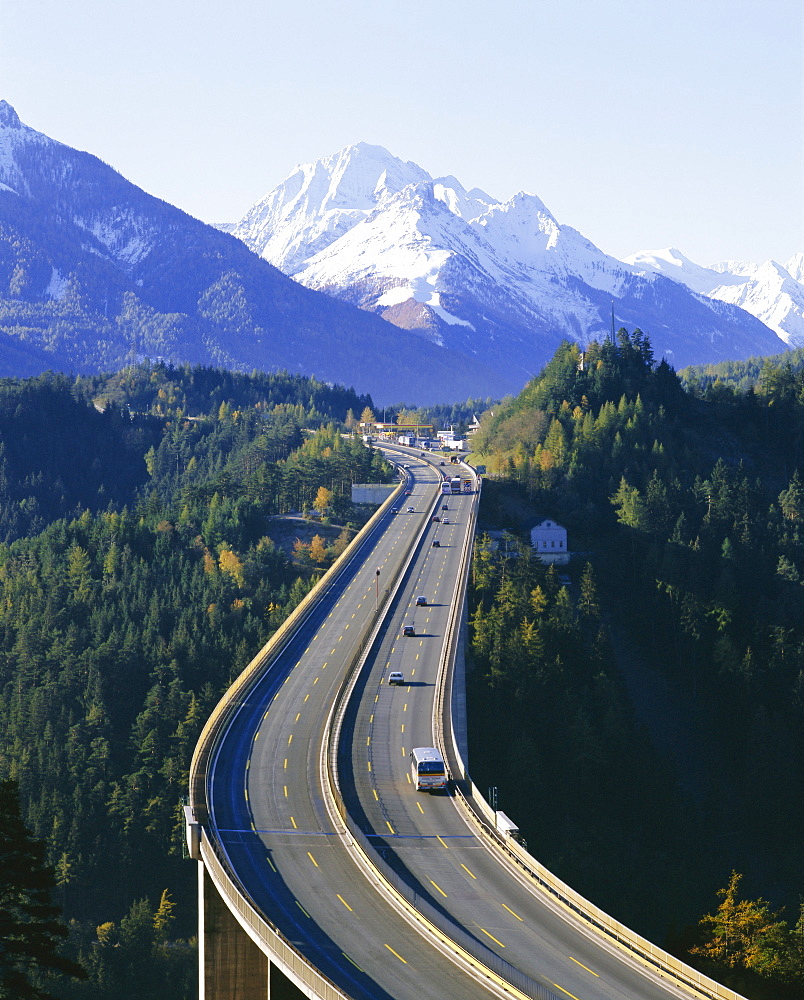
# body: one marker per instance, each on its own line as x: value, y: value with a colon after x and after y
x: 230, y: 965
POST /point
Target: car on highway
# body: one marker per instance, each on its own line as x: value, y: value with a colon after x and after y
x: 445, y: 506
x: 436, y: 543
x: 442, y: 463
x: 394, y: 510
x: 411, y: 510
x: 436, y: 519
x: 396, y: 677
x: 421, y: 601
x: 408, y: 630
x: 446, y: 520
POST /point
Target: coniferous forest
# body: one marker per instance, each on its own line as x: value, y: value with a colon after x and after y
x: 137, y: 578
x: 652, y: 690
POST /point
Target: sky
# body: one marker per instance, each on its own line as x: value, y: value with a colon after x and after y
x: 642, y: 123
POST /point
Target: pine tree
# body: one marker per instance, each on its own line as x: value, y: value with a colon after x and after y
x: 30, y: 929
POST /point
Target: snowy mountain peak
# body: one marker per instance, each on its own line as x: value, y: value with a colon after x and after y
x: 769, y: 291
x: 8, y: 116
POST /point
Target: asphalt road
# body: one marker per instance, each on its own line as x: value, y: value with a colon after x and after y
x: 267, y: 809
x: 267, y: 805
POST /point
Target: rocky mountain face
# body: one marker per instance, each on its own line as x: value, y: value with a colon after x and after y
x: 499, y: 280
x: 95, y: 272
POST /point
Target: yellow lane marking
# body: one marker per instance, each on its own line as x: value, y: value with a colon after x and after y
x: 413, y: 671
x: 468, y: 872
x: 417, y: 656
x: 352, y: 961
x: 266, y: 714
x: 376, y: 698
x: 421, y: 641
x: 293, y: 821
x: 575, y: 960
x: 331, y: 652
x: 369, y: 765
x: 345, y: 627
x: 246, y: 791
x: 286, y: 790
x: 254, y: 828
x: 354, y: 614
x: 298, y: 716
x: 312, y: 859
x: 442, y: 842
x: 439, y: 888
x: 408, y: 777
x: 565, y: 991
x: 286, y: 679
x: 390, y: 827
x: 315, y: 681
x: 340, y: 636
x: 324, y: 666
x: 257, y: 735
x: 512, y: 912
x: 348, y: 907
x: 268, y: 859
x: 290, y: 739
x: 248, y: 763
x: 493, y: 938
x: 403, y: 727
x: 285, y: 765
x: 420, y: 808
x: 368, y: 741
x: 302, y: 909
x: 403, y: 752
x: 371, y: 718
x: 396, y: 953
x: 405, y: 708
x: 376, y: 796
x: 306, y: 697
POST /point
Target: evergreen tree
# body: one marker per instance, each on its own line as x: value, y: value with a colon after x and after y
x: 31, y: 932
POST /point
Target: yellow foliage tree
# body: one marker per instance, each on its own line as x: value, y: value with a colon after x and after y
x: 229, y: 562
x: 323, y: 499
x: 318, y: 549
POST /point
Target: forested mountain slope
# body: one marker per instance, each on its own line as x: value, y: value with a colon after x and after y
x: 655, y: 706
x: 147, y: 580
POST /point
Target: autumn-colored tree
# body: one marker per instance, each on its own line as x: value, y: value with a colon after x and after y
x: 743, y: 933
x: 323, y: 499
x: 230, y: 563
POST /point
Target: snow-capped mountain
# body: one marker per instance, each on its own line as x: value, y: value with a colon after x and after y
x: 95, y: 272
x: 771, y: 292
x: 501, y: 280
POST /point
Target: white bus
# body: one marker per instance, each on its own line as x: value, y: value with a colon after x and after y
x: 445, y: 486
x: 427, y: 769
x: 455, y: 484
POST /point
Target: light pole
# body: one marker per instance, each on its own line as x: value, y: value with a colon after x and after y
x: 377, y: 591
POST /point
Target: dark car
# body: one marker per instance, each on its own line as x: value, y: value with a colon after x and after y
x: 436, y: 543
x: 421, y: 601
x: 408, y: 630
x: 437, y: 519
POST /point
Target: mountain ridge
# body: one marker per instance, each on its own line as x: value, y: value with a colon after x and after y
x: 95, y: 272
x: 430, y: 256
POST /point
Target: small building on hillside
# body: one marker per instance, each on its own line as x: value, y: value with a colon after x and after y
x: 549, y: 541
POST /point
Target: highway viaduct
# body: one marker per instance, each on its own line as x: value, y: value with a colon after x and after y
x: 321, y: 872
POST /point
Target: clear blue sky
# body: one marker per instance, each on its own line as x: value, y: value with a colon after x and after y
x: 642, y: 123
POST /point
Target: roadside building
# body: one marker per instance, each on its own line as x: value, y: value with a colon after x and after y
x: 549, y: 541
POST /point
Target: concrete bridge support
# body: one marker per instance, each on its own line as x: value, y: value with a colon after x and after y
x: 230, y: 965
